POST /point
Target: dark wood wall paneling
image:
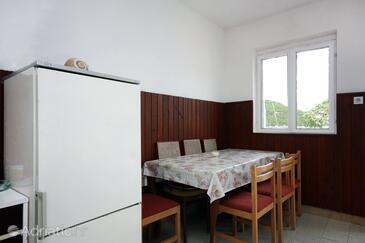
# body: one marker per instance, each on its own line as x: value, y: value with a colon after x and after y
x: 333, y: 170
x: 172, y: 118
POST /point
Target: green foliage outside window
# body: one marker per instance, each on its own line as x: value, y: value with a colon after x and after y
x: 277, y: 115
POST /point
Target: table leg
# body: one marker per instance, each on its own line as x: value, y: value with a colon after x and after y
x: 213, y: 219
x: 207, y: 206
x: 151, y: 183
x: 156, y: 227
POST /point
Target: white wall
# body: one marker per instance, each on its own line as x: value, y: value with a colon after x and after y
x: 162, y: 43
x: 168, y: 47
x: 345, y: 16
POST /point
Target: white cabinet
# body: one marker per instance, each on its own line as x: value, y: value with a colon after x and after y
x: 14, y: 216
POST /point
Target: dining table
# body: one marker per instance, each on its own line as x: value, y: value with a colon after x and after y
x: 217, y: 172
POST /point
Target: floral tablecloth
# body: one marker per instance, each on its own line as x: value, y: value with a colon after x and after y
x: 218, y: 172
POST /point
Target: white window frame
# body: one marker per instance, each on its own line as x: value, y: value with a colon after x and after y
x: 290, y: 50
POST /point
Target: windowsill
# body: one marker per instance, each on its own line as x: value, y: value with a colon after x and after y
x: 300, y: 132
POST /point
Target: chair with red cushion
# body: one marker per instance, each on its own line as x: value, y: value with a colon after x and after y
x: 298, y: 179
x: 183, y: 194
x: 155, y: 208
x: 285, y: 192
x: 251, y: 205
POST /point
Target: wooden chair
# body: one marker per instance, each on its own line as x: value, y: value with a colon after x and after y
x: 285, y: 192
x: 155, y: 208
x: 168, y: 149
x: 192, y: 146
x: 210, y: 145
x: 181, y: 193
x: 298, y: 179
x: 251, y: 205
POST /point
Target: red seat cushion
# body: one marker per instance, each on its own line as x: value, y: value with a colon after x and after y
x: 153, y: 204
x: 243, y: 201
x: 265, y: 189
x: 297, y: 181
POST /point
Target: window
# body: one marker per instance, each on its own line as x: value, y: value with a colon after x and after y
x: 295, y: 89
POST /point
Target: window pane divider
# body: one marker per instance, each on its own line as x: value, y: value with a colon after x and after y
x: 292, y: 90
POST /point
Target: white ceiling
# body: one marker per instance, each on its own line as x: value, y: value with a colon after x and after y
x: 229, y: 13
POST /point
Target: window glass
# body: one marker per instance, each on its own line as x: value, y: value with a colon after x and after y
x: 312, y: 89
x: 275, y: 99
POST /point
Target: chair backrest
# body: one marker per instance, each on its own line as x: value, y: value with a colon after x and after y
x: 210, y: 145
x: 297, y: 163
x: 168, y: 149
x: 192, y: 146
x: 285, y: 166
x: 261, y: 174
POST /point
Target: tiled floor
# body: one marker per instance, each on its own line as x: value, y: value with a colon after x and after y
x: 310, y: 229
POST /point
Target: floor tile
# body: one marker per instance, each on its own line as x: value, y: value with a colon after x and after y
x: 337, y: 231
x: 324, y: 240
x: 310, y: 229
x: 357, y: 234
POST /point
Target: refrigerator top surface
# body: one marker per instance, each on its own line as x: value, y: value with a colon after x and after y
x: 47, y: 65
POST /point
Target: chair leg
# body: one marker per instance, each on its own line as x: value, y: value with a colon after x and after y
x: 273, y: 224
x: 255, y: 230
x: 299, y: 201
x: 177, y: 226
x: 208, y: 214
x: 184, y: 220
x: 293, y: 213
x: 280, y: 222
x: 149, y: 231
x: 234, y: 225
x: 288, y: 216
x: 214, y: 210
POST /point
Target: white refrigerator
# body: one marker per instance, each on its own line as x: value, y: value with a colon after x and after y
x: 72, y: 146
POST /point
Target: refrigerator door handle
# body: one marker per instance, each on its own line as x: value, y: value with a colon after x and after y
x: 41, y: 207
